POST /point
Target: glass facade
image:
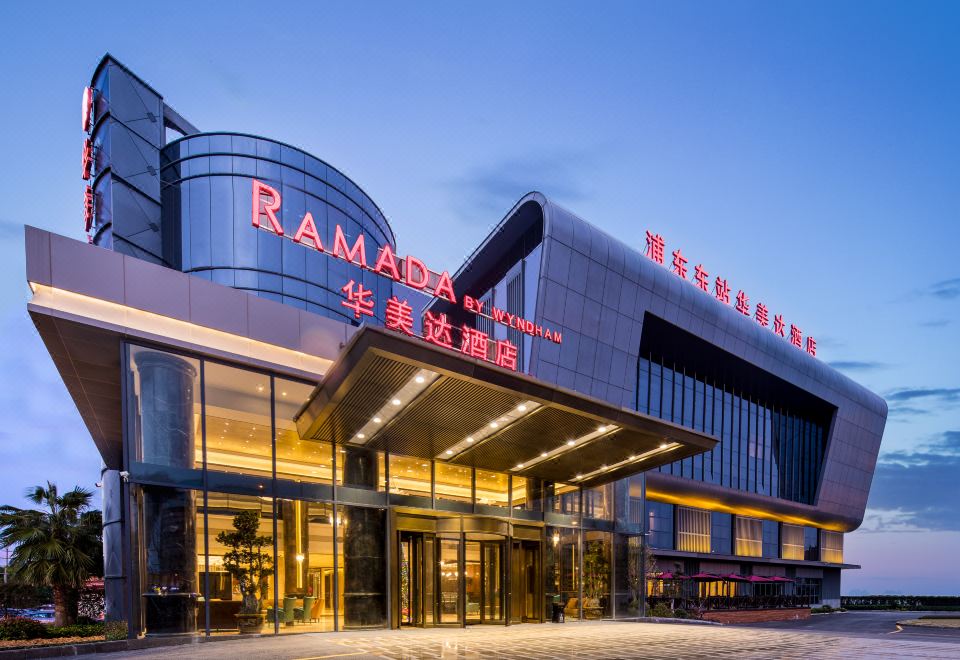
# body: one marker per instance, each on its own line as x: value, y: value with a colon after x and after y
x: 210, y: 441
x: 764, y: 448
x: 207, y: 207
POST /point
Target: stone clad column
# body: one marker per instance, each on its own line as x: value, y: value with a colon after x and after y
x: 364, y: 551
x: 169, y: 514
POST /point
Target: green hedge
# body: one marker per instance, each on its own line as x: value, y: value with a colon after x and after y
x: 19, y: 627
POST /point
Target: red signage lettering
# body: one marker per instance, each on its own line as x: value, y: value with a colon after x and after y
x: 655, y: 250
x: 269, y: 208
x: 86, y: 159
x: 266, y: 202
x: 359, y: 299
x: 88, y: 207
x: 86, y: 109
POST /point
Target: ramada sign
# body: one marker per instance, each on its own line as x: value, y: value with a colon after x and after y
x: 409, y: 271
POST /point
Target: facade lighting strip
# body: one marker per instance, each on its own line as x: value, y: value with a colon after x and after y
x: 662, y: 449
x: 568, y: 446
x: 394, y: 405
x: 494, y: 426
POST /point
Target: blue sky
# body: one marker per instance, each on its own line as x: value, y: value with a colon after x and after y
x: 807, y: 151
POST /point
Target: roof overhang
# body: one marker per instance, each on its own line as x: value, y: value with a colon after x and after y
x: 390, y: 392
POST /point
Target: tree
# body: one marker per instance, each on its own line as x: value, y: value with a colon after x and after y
x: 246, y: 561
x: 60, y: 546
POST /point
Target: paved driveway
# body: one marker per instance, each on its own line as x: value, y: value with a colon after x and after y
x: 865, y: 624
x: 570, y: 640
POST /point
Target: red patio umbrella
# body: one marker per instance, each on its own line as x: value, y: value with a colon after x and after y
x: 705, y: 576
x: 733, y: 577
x: 667, y: 576
x: 759, y: 578
x: 779, y: 578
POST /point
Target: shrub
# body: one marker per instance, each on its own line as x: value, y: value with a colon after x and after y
x: 76, y: 630
x: 826, y: 609
x: 681, y: 613
x: 20, y: 627
x: 115, y: 630
x: 660, y: 610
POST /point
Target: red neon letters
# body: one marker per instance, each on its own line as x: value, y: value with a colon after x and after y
x: 86, y: 109
x: 266, y: 202
x: 656, y: 246
x: 270, y: 209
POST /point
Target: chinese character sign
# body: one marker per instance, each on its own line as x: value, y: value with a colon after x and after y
x: 437, y: 328
x: 656, y: 248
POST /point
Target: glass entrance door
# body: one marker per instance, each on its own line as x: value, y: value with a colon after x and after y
x: 417, y: 579
x: 525, y: 581
x: 483, y: 577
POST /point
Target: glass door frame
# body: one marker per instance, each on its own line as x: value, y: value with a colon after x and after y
x: 483, y: 546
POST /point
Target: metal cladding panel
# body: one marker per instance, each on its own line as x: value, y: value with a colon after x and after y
x: 588, y: 278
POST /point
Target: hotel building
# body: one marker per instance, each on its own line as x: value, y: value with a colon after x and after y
x: 243, y: 333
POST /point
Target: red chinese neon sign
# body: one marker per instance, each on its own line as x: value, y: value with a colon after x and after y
x: 655, y: 250
x: 86, y: 109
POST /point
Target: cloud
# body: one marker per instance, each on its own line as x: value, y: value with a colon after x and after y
x: 946, y: 289
x: 856, y: 365
x: 494, y: 187
x: 917, y: 489
x: 914, y: 401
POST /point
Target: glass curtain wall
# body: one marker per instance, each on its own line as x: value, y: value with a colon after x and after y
x: 763, y: 449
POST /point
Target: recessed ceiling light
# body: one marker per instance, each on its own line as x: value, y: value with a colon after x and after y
x: 571, y: 443
x: 361, y: 436
x: 663, y: 445
x: 543, y: 454
x: 469, y: 440
x: 602, y: 429
x: 579, y: 476
x: 449, y: 452
x: 632, y: 458
x: 259, y: 388
x: 522, y: 408
x: 283, y: 394
x: 519, y: 466
x: 396, y: 402
x: 493, y: 425
x: 376, y: 420
x: 419, y: 379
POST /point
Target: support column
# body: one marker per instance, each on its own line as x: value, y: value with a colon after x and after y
x: 169, y: 514
x: 364, y: 547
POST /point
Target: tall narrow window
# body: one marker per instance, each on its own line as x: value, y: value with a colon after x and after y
x: 693, y: 530
x: 749, y: 537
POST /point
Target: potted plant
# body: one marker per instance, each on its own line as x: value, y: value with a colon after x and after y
x: 249, y: 565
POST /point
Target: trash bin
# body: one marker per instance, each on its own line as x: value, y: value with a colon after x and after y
x: 557, y: 613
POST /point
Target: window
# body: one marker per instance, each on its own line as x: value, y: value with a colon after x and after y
x: 522, y: 494
x: 791, y: 546
x: 409, y: 476
x: 811, y: 545
x: 454, y: 482
x: 831, y: 547
x: 721, y: 533
x: 238, y: 420
x: 565, y: 499
x: 693, y: 530
x: 660, y: 524
x: 305, y: 565
x: 166, y: 402
x: 749, y: 537
x: 771, y: 540
x: 298, y: 459
x: 492, y: 488
x: 597, y: 502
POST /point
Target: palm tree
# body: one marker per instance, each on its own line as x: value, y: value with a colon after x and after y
x: 60, y: 546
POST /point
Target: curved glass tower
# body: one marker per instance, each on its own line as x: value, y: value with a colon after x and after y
x: 206, y: 182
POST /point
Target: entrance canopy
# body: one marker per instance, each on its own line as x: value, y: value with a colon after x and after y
x: 403, y: 395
